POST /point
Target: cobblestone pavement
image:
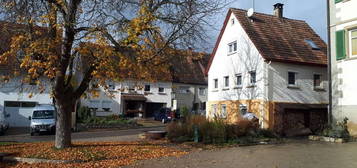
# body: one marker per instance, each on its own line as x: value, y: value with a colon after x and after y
x: 296, y: 154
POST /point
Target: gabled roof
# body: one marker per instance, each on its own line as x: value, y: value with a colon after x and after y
x: 186, y: 66
x: 279, y: 39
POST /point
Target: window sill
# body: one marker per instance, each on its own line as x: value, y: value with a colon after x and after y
x: 293, y: 87
x: 162, y: 94
x: 251, y: 86
x: 147, y: 93
x: 238, y: 87
x: 215, y: 90
x: 232, y: 53
x: 225, y: 88
x: 319, y: 89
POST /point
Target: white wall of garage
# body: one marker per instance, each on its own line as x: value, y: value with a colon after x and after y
x: 15, y: 91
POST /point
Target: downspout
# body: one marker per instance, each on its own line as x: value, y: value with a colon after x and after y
x: 329, y: 63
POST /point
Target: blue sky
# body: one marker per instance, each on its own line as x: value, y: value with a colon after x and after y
x: 311, y: 11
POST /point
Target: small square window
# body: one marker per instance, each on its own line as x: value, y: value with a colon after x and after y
x: 353, y: 43
x: 312, y: 44
x: 161, y: 90
x: 239, y: 79
x: 202, y: 91
x: 215, y: 83
x: 253, y: 77
x: 232, y: 47
x: 317, y: 81
x: 292, y: 78
x: 232, y: 21
x: 147, y: 88
x: 226, y: 81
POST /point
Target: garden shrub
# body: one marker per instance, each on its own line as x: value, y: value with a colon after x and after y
x: 210, y: 131
x: 83, y: 113
x: 339, y: 130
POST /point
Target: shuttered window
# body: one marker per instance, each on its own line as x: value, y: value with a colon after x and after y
x: 340, y: 45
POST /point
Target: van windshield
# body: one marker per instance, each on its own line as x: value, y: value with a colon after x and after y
x: 43, y: 114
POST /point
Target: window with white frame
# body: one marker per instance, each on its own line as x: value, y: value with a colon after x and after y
x: 318, y: 81
x: 253, y: 77
x: 232, y: 47
x: 161, y: 89
x: 111, y: 85
x: 202, y: 91
x: 214, y: 109
x: 94, y: 104
x: 226, y: 81
x: 292, y: 78
x: 215, y: 83
x: 106, y: 105
x: 353, y: 42
x: 238, y: 79
x: 147, y: 88
x: 223, y: 111
x: 184, y: 89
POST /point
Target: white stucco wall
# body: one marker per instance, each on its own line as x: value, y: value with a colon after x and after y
x: 344, y: 81
x: 115, y: 97
x: 193, y: 96
x: 14, y: 90
x: 304, y: 93
x: 246, y: 59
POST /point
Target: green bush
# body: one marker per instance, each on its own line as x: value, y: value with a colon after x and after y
x: 339, y: 130
x: 83, y: 113
x: 109, y: 120
x: 184, y: 112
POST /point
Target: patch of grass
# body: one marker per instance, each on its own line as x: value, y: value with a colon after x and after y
x: 8, y: 143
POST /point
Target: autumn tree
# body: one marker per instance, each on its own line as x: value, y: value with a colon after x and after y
x: 103, y: 34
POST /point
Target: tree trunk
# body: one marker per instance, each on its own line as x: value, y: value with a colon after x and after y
x: 63, y: 124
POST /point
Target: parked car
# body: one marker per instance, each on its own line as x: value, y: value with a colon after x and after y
x: 43, y: 119
x: 3, y: 127
x: 164, y: 115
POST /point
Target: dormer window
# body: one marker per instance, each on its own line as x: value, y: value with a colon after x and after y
x: 232, y: 47
x: 312, y: 44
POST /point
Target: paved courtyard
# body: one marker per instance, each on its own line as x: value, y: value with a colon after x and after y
x: 296, y: 154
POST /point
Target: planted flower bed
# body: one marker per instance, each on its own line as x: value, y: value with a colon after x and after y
x: 217, y: 131
x: 337, y: 133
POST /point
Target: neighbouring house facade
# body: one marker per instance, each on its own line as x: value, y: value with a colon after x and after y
x: 17, y: 98
x: 269, y: 65
x: 343, y: 28
x: 134, y: 98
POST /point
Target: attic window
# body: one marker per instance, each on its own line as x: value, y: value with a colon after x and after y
x: 232, y: 21
x: 312, y: 44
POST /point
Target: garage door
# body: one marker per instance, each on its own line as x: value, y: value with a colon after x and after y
x: 17, y: 113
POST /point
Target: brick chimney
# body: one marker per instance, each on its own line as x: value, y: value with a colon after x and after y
x: 278, y: 10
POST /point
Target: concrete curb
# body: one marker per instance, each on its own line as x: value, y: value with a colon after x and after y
x: 34, y: 160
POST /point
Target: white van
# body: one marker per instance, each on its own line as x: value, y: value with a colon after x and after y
x: 43, y: 119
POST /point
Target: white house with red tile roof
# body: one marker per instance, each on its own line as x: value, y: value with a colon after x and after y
x: 272, y: 66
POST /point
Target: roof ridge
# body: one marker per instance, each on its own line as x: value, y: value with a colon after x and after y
x: 260, y: 13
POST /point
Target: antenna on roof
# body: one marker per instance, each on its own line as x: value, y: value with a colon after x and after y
x: 250, y: 11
